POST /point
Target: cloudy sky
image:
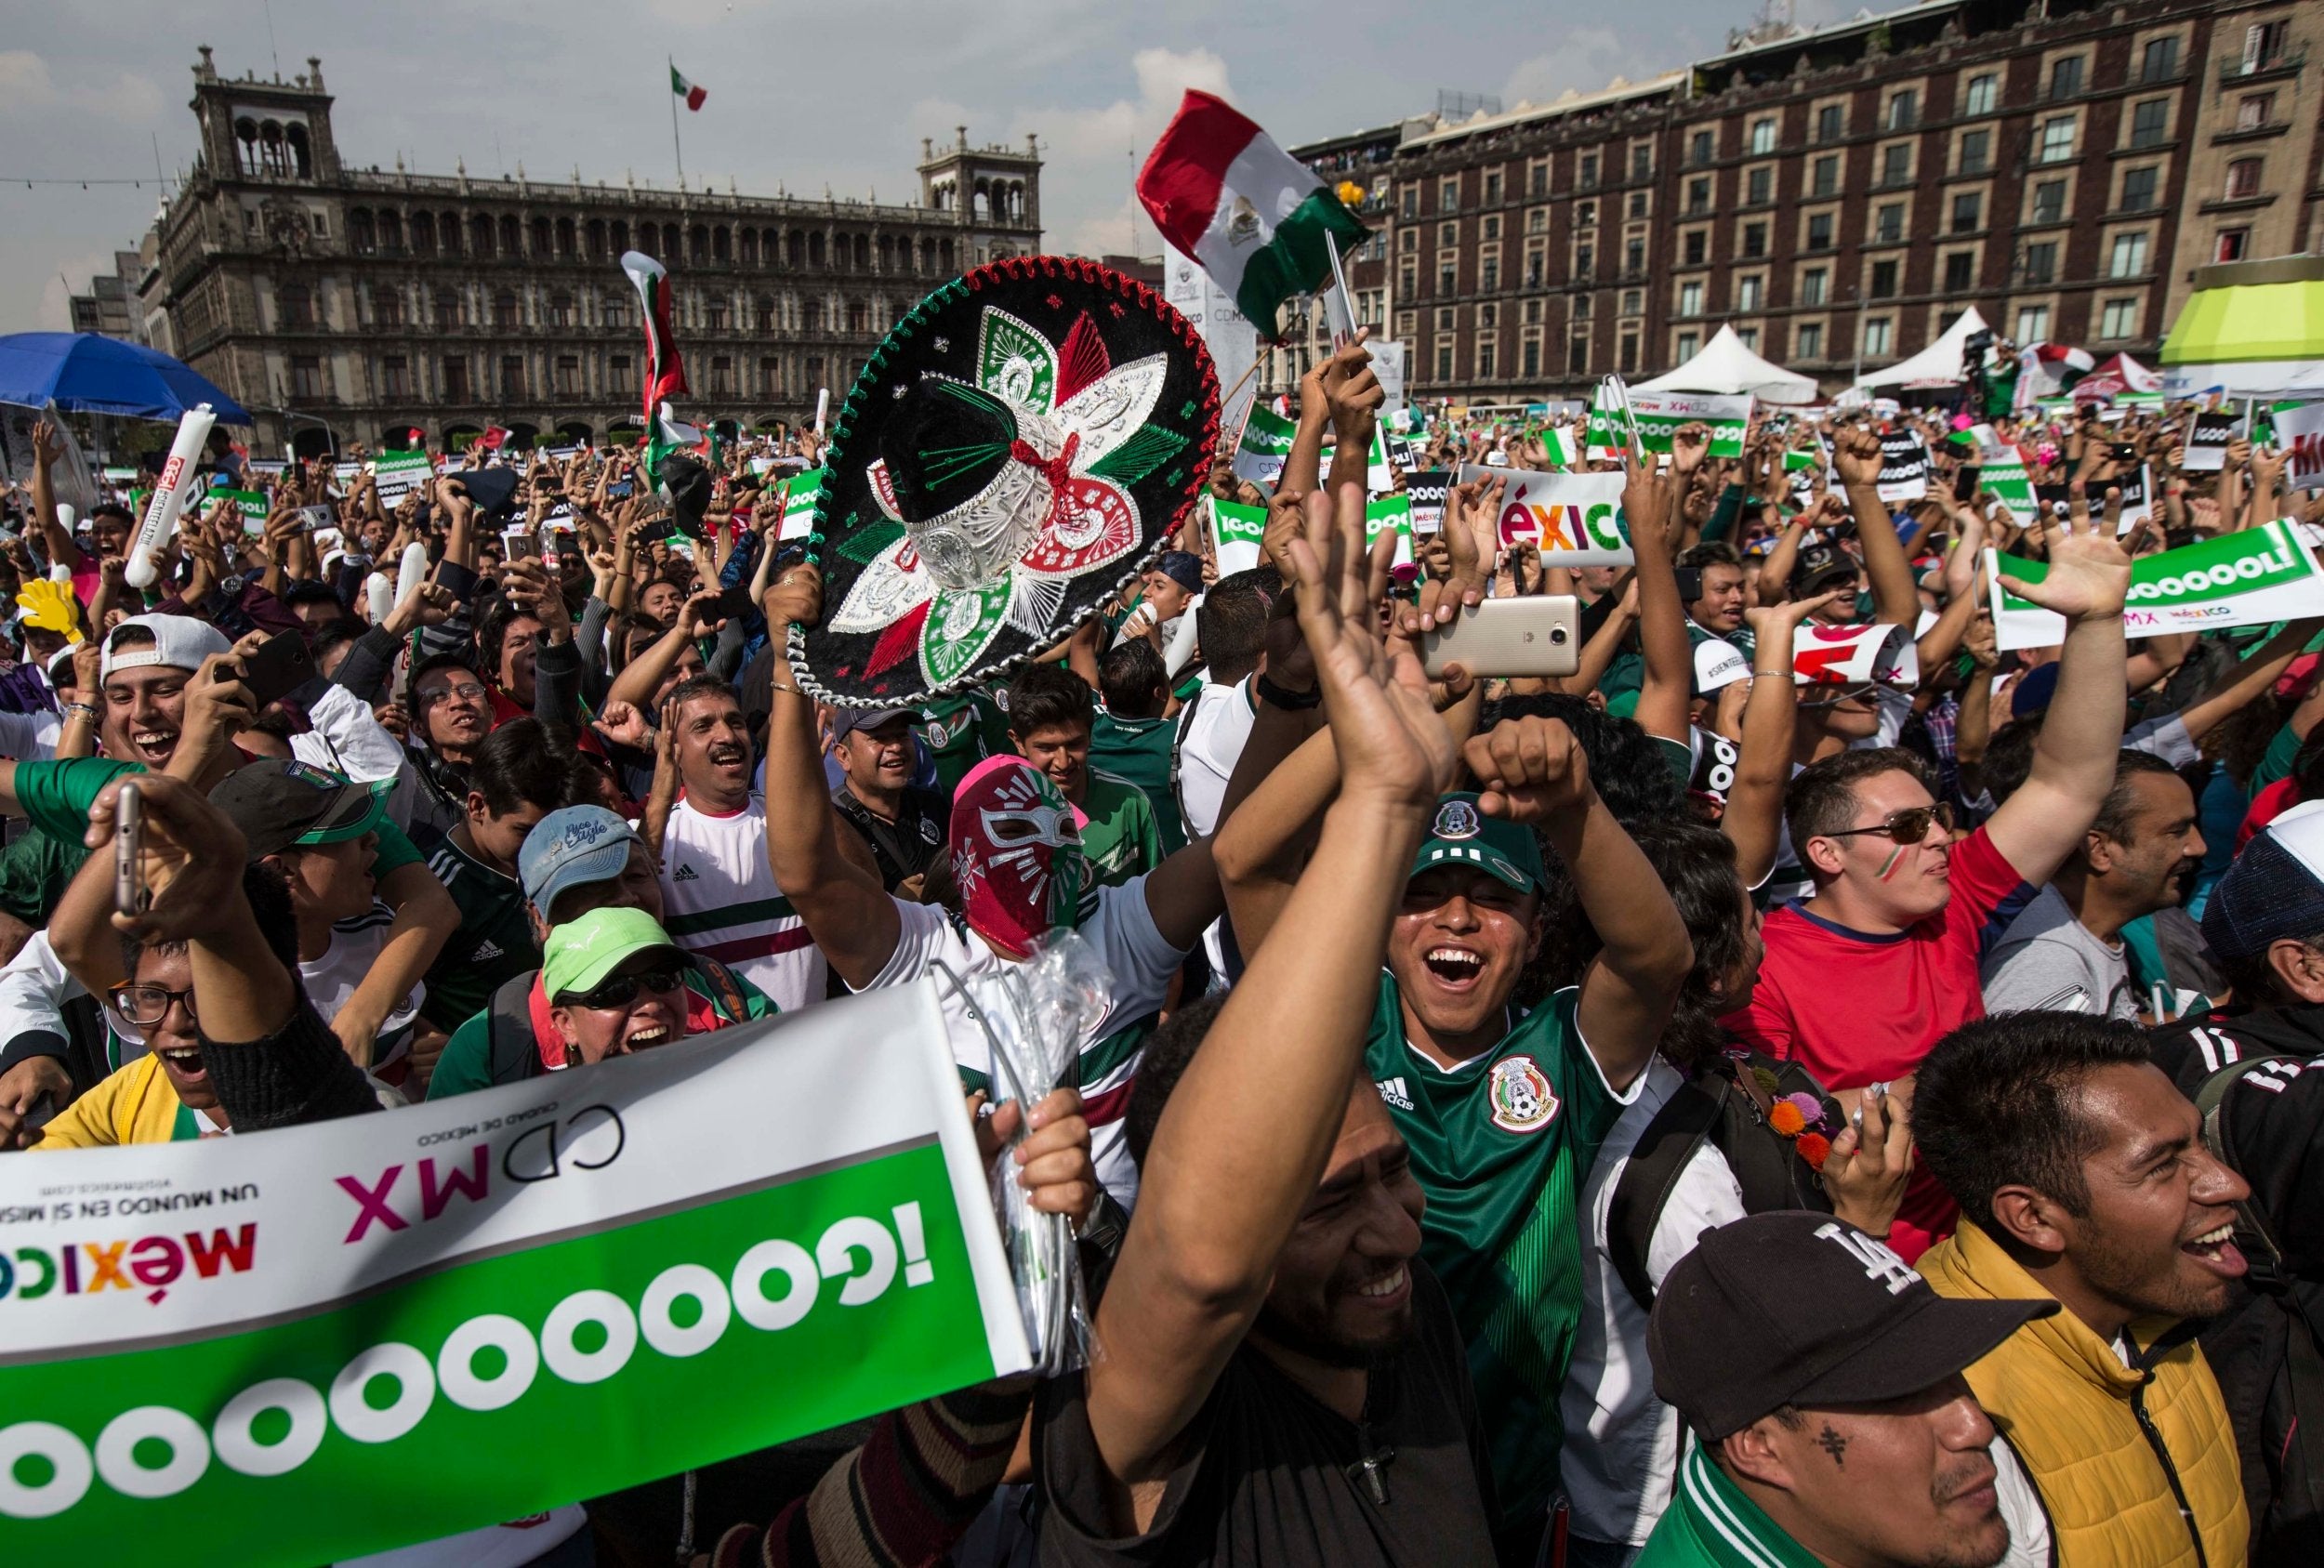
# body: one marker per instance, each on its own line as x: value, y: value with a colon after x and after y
x: 803, y: 95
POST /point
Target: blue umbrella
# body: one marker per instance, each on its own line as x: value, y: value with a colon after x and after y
x: 82, y: 373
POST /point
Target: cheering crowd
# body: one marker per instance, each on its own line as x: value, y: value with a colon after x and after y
x: 1696, y: 1109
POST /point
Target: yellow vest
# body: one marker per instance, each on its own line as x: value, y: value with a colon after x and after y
x: 2069, y: 1407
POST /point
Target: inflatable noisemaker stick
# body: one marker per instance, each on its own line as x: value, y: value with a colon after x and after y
x: 169, y: 495
x: 411, y: 574
x: 822, y: 406
x: 376, y: 596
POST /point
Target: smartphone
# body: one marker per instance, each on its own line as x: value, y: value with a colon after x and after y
x: 2123, y: 451
x: 517, y: 545
x: 620, y: 490
x: 1690, y: 583
x: 277, y: 667
x: 1965, y: 482
x: 129, y: 895
x: 1534, y: 636
x: 735, y: 601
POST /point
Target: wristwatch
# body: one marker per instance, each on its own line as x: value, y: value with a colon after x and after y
x: 1282, y: 698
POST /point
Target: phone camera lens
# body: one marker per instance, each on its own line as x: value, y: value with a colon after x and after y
x: 1557, y: 636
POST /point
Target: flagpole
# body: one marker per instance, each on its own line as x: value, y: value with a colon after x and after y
x: 671, y: 61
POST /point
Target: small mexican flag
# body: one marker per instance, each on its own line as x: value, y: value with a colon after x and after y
x: 685, y: 89
x: 1258, y: 219
x: 665, y: 373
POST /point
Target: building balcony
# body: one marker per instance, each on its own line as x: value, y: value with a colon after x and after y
x: 2227, y: 135
x: 2237, y: 203
x: 2274, y: 68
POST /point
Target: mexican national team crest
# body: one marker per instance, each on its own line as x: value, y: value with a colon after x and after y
x: 1522, y: 1100
x: 1458, y: 819
x: 1017, y: 449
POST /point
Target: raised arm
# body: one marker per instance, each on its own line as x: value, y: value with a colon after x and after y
x: 53, y: 533
x: 1249, y: 1128
x: 642, y: 676
x: 849, y: 914
x: 1856, y: 454
x: 1670, y: 675
x: 2074, y: 760
x: 1753, y: 819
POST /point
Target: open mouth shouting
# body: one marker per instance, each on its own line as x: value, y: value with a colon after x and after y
x: 1454, y: 969
x: 729, y: 758
x: 2215, y: 1249
x: 183, y: 1063
x: 154, y: 744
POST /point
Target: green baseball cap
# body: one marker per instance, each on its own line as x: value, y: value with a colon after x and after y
x: 1462, y: 835
x: 581, y: 953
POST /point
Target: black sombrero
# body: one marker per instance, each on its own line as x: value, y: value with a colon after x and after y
x: 1014, y: 452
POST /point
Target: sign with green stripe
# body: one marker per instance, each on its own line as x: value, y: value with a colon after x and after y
x: 507, y: 1302
x: 1236, y: 532
x: 800, y: 493
x: 2256, y: 577
x: 1266, y: 442
x: 1660, y: 413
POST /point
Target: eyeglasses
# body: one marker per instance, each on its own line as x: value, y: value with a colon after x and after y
x: 467, y: 691
x: 1909, y: 826
x: 622, y: 990
x: 146, y: 1006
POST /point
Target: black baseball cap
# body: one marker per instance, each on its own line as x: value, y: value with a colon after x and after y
x: 1818, y: 563
x: 281, y: 802
x: 1799, y: 1308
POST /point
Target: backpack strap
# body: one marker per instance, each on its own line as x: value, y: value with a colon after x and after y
x: 510, y: 1054
x: 2211, y: 1097
x: 1652, y: 1173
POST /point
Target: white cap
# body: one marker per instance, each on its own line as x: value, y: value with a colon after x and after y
x: 180, y: 641
x: 1719, y: 664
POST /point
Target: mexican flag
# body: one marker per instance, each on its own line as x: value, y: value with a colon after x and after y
x: 685, y: 89
x: 1266, y: 442
x: 1258, y: 219
x: 665, y: 373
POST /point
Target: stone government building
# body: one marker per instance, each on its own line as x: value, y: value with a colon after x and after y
x: 342, y: 305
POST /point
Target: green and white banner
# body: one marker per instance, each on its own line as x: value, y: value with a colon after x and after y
x: 1266, y: 442
x: 399, y: 473
x: 1236, y: 533
x: 1574, y: 520
x: 1658, y: 414
x: 2257, y: 577
x: 800, y: 493
x: 1390, y: 511
x: 307, y: 1345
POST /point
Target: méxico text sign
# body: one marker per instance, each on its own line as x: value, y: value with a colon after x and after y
x: 1574, y: 520
x: 673, y: 1258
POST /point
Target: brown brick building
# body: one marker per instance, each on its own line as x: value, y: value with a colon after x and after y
x: 1840, y: 195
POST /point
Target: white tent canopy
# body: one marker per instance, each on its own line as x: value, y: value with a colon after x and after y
x: 1727, y: 367
x: 1939, y: 364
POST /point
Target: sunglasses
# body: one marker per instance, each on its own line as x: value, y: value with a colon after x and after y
x: 146, y: 1006
x: 622, y: 990
x: 1909, y: 826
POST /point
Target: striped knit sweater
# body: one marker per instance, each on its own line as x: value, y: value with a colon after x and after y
x: 904, y: 1497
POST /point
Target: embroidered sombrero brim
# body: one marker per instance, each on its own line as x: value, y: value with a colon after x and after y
x: 1014, y: 453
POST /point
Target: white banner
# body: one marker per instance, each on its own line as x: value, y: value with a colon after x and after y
x: 2253, y: 578
x: 2300, y: 435
x: 1574, y: 520
x: 1210, y: 309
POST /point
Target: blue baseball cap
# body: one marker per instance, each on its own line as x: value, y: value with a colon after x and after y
x: 570, y: 848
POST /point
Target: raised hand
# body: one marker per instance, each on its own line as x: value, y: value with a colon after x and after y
x: 1529, y: 770
x: 192, y: 857
x: 795, y: 598
x: 1856, y: 456
x: 1390, y: 741
x: 2090, y: 574
x: 1690, y: 443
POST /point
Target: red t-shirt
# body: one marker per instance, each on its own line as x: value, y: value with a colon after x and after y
x: 1856, y: 1010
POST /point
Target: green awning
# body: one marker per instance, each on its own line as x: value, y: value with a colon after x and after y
x: 2261, y: 319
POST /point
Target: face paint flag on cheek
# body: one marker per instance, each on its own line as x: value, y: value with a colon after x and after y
x: 1016, y: 854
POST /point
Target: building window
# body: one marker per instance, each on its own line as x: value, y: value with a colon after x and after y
x: 1698, y: 196
x: 1692, y: 247
x: 1587, y: 175
x: 1532, y: 358
x: 512, y: 375
x: 2254, y: 110
x: 1581, y: 308
x: 1754, y: 239
x: 1492, y: 228
x: 504, y: 310
x: 1977, y: 152
x: 1448, y: 233
x: 2058, y: 140
x: 2119, y: 318
x: 561, y: 310
x: 721, y: 376
x: 1831, y: 122
x: 2231, y: 244
x: 769, y: 377
x: 395, y: 376
x: 2033, y: 323
x: 1638, y: 201
x: 1876, y: 335
x: 1759, y: 186
x: 1961, y: 269
x: 1763, y: 135
x: 296, y: 305
x: 1748, y: 336
x: 456, y: 383
x: 1897, y: 163
x: 1493, y: 187
x: 1448, y: 196
x: 1629, y: 352
x: 1984, y: 92
x: 1904, y: 110
x: 1633, y: 302
x: 1411, y: 202
x: 1484, y: 360
x: 1538, y: 179
x: 2159, y: 61
x: 1690, y: 299
x: 2041, y: 262
x: 1824, y: 176
x: 447, y: 308
x: 1578, y: 356
x: 1819, y: 231
x: 2243, y: 180
x: 2149, y: 121
x: 1813, y: 283
x: 1443, y: 361
x: 2127, y: 259
x: 1968, y: 210
x: 2066, y: 78
x: 2138, y: 189
x: 1747, y: 294
x: 2049, y: 202
x: 1888, y: 223
x: 1633, y: 257
x: 1642, y: 162
x: 2263, y: 45
x: 1699, y: 147
x: 1585, y: 214
x: 1688, y: 343
x: 1884, y: 280
x: 1489, y: 275
x: 1448, y: 278
x: 305, y: 375
x: 1585, y: 260
x: 568, y: 376
x: 1811, y: 340
x: 387, y: 307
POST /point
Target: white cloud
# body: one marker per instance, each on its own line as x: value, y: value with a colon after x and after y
x: 1586, y: 59
x: 29, y: 89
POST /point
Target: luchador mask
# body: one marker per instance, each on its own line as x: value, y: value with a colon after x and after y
x: 1016, y: 852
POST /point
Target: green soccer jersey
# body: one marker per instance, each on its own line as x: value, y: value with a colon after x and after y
x: 1138, y: 750
x: 1500, y: 1145
x: 1120, y: 839
x: 57, y: 796
x: 961, y: 731
x: 495, y: 940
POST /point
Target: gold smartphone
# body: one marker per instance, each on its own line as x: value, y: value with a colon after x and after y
x: 1538, y: 635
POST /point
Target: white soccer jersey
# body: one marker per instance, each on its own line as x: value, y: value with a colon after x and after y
x: 720, y: 899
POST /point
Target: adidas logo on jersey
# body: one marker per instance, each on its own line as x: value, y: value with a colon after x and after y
x: 1393, y: 1093
x: 685, y: 874
x: 490, y: 950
